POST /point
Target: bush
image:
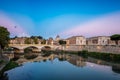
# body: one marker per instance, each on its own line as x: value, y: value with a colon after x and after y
x: 106, y: 56
x: 83, y: 53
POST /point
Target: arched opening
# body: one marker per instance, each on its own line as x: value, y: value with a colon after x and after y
x: 46, y: 48
x: 16, y: 50
x: 17, y: 53
x: 31, y: 52
x: 58, y: 48
x: 46, y: 51
x: 31, y: 49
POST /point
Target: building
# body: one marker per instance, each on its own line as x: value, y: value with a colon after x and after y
x: 50, y: 41
x: 24, y: 40
x: 76, y: 40
x: 99, y: 40
x: 57, y: 38
x: 111, y: 42
x: 20, y: 40
x: 119, y: 42
x: 56, y: 41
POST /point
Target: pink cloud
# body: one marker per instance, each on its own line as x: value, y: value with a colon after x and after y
x: 12, y: 26
x: 104, y: 25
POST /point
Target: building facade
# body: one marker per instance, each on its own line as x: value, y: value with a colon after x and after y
x: 100, y: 40
x: 57, y: 38
x: 76, y: 40
x: 50, y: 41
x: 56, y: 41
x: 20, y: 40
x: 24, y: 40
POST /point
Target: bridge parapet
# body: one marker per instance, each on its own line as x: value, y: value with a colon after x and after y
x: 39, y: 46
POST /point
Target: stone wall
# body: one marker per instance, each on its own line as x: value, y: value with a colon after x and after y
x: 94, y: 48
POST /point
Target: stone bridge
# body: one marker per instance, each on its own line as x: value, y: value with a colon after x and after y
x: 21, y: 47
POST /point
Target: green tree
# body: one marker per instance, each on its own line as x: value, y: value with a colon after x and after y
x: 39, y: 37
x: 32, y: 37
x: 27, y: 41
x: 14, y: 37
x: 62, y: 42
x: 43, y: 41
x: 116, y: 38
x: 4, y: 37
x: 35, y: 40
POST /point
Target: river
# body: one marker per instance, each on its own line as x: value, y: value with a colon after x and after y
x: 64, y: 67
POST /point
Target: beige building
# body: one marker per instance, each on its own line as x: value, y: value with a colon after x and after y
x: 99, y: 40
x: 50, y: 41
x: 76, y: 40
x: 21, y: 40
x: 119, y: 42
x: 111, y: 42
x: 56, y: 41
x: 57, y: 38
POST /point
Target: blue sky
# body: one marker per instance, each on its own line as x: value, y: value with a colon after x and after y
x: 49, y: 18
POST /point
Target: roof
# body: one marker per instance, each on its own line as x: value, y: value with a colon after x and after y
x: 75, y: 36
x: 98, y: 37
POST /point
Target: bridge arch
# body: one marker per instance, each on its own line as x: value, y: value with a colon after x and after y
x: 31, y: 49
x: 21, y: 47
x: 15, y: 49
x: 46, y: 47
x: 57, y: 48
x: 34, y: 47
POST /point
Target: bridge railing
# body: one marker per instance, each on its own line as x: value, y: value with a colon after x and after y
x: 29, y: 44
x: 36, y: 45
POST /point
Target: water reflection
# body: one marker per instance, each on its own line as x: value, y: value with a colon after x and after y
x: 75, y: 60
x: 64, y: 66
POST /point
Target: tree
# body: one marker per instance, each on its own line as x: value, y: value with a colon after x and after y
x: 62, y: 42
x: 27, y: 41
x: 4, y: 37
x: 35, y: 40
x: 14, y: 37
x: 115, y: 37
x: 39, y: 37
x: 32, y: 37
x: 43, y: 41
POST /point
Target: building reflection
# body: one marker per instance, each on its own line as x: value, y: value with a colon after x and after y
x: 75, y: 60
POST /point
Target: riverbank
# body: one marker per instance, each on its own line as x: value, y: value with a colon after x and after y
x: 115, y: 49
x: 3, y: 61
x: 8, y: 66
x: 110, y: 57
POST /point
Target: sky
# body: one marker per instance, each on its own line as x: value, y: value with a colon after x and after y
x: 66, y: 18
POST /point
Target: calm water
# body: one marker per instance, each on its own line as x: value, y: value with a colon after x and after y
x: 65, y: 67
